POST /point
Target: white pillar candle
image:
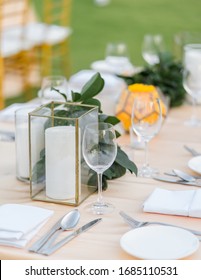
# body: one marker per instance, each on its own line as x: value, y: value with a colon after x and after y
x: 22, y: 142
x: 60, y: 150
x: 192, y: 61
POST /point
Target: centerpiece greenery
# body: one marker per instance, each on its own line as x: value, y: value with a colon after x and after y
x: 86, y: 96
x: 167, y: 75
x: 122, y: 163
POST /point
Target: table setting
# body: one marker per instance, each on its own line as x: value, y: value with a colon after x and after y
x: 50, y: 174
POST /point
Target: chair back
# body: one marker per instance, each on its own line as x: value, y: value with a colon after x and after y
x: 13, y: 17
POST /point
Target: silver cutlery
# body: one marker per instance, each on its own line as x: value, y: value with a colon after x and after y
x: 167, y: 179
x: 68, y: 222
x: 192, y: 151
x: 171, y: 173
x: 40, y: 243
x: 65, y: 240
x: 184, y: 176
x: 7, y: 136
x: 136, y: 224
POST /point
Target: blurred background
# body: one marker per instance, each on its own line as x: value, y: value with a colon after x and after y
x: 92, y: 25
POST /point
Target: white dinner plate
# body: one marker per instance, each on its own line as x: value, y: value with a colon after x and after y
x: 195, y: 164
x: 159, y: 243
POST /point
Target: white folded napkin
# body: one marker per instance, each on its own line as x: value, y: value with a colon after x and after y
x: 19, y: 223
x: 126, y: 68
x: 8, y: 114
x: 184, y: 203
x: 112, y: 88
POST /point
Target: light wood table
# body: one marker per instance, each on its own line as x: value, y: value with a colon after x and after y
x: 127, y: 193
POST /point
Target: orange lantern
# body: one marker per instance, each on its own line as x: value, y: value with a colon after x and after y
x: 125, y: 103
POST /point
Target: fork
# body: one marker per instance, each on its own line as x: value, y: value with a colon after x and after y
x: 192, y: 151
x: 136, y: 224
x: 171, y: 173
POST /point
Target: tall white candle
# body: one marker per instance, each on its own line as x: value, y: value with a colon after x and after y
x: 60, y: 149
x: 22, y: 142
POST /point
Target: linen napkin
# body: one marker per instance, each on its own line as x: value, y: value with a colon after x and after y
x: 19, y: 223
x: 8, y: 114
x: 126, y: 68
x: 184, y: 203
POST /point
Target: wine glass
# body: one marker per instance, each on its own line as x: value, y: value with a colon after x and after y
x: 49, y: 83
x: 117, y: 57
x: 152, y: 46
x: 99, y: 151
x: 192, y: 78
x: 146, y: 122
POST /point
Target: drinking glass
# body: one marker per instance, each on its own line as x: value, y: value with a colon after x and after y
x: 146, y: 122
x: 192, y: 78
x: 49, y: 83
x: 185, y: 38
x: 117, y: 56
x: 152, y: 46
x: 99, y: 151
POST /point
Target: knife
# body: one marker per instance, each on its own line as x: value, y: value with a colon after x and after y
x: 197, y: 183
x: 65, y: 240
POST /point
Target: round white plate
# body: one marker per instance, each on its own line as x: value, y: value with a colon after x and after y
x: 195, y: 164
x: 159, y: 243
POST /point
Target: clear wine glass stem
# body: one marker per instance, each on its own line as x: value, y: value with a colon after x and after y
x: 194, y: 109
x: 146, y: 164
x: 100, y: 189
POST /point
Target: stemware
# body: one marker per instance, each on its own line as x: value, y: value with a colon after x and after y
x: 117, y: 57
x: 99, y: 151
x: 49, y: 83
x: 152, y: 46
x: 191, y: 78
x: 146, y: 123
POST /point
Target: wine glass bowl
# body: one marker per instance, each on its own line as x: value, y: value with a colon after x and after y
x: 99, y: 151
x: 117, y: 56
x: 51, y: 86
x: 191, y: 78
x: 146, y: 122
x: 152, y: 46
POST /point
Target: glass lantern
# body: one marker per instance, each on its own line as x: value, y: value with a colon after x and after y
x: 58, y: 172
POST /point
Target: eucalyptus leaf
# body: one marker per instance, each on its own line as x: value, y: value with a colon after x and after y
x: 115, y: 171
x: 94, y: 102
x: 92, y: 87
x: 93, y: 181
x: 75, y: 96
x: 125, y: 162
x: 117, y: 134
x: 109, y: 119
x: 38, y: 171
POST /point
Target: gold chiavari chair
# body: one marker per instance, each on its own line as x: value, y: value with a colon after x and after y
x: 50, y: 36
x: 13, y: 48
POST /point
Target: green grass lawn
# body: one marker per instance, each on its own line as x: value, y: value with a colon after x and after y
x: 126, y: 21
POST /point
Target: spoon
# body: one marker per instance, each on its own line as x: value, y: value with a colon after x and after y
x: 68, y: 222
x: 184, y: 176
